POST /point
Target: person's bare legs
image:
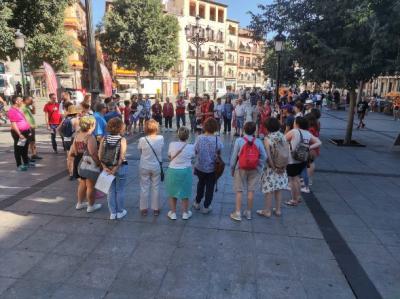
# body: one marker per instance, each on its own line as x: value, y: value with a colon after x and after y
x: 90, y: 192
x: 250, y: 200
x: 81, y: 191
x: 238, y: 202
x: 172, y: 204
x: 185, y: 205
x: 278, y: 199
x: 294, y: 183
x: 70, y: 165
x: 311, y: 171
x: 268, y: 204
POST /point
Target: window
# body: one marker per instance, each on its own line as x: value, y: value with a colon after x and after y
x: 221, y: 16
x: 192, y: 52
x: 192, y: 70
x: 211, y: 36
x: 241, y: 61
x: 210, y: 70
x: 231, y: 45
x: 202, y: 11
x: 390, y: 86
x: 232, y: 30
x: 192, y: 9
x: 201, y: 70
x: 212, y: 14
x: 220, y: 36
x: 220, y: 85
x: 219, y: 72
x: 248, y: 62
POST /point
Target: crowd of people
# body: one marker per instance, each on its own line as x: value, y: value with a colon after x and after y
x: 275, y: 146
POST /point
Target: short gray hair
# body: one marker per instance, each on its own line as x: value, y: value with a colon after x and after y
x: 183, y: 133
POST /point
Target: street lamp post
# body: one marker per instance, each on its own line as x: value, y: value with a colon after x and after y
x: 75, y: 79
x: 92, y: 57
x: 215, y: 56
x: 20, y: 45
x: 279, y: 43
x: 197, y: 36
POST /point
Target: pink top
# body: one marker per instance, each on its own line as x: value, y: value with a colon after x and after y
x: 15, y: 115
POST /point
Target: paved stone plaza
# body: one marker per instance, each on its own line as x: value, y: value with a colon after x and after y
x: 50, y: 250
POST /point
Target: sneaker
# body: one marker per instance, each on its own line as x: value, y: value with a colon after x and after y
x: 122, y: 214
x: 31, y: 164
x: 247, y: 214
x: 207, y: 210
x: 82, y: 205
x: 113, y: 216
x: 23, y: 168
x: 236, y: 216
x: 36, y: 157
x: 94, y: 208
x: 305, y: 190
x: 196, y: 206
x: 186, y: 216
x: 172, y: 215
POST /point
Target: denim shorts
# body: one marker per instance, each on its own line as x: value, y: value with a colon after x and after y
x: 240, y: 122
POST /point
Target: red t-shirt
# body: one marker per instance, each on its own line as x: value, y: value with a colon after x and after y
x: 53, y: 112
x: 180, y: 107
x: 207, y: 107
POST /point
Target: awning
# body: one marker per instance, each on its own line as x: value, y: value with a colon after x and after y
x: 126, y: 81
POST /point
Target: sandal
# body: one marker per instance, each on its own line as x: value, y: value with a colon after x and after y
x: 263, y: 213
x: 292, y: 203
x: 143, y: 212
x: 156, y: 212
x: 277, y: 214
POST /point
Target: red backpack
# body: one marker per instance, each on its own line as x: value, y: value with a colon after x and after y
x: 249, y: 155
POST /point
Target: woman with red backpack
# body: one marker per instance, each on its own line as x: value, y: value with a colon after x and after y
x: 247, y: 161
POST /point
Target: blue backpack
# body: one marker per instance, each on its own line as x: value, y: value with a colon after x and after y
x: 66, y: 127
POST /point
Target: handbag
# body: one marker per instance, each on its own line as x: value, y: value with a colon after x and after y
x: 87, y: 167
x: 162, y: 175
x: 219, y: 163
x: 302, y: 151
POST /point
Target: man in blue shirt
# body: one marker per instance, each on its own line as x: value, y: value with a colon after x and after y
x: 101, y: 123
x: 112, y: 112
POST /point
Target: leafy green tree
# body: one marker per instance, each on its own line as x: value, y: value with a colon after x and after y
x: 346, y: 42
x: 42, y: 22
x: 138, y: 35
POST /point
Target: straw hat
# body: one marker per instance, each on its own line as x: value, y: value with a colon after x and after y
x: 73, y: 110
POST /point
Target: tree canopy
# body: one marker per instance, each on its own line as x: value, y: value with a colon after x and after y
x: 138, y: 35
x: 42, y: 22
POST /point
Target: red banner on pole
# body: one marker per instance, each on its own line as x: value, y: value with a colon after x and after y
x: 107, y: 80
x: 51, y: 79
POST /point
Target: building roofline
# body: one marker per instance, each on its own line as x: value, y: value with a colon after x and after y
x: 233, y: 21
x: 213, y: 2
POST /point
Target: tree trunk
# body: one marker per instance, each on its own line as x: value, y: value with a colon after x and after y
x: 139, y: 86
x: 350, y: 120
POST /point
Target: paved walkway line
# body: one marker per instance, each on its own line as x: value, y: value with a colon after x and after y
x: 386, y: 175
x: 356, y: 277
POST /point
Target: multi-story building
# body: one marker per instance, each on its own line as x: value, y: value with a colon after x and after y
x: 250, y: 59
x: 231, y: 54
x: 383, y: 85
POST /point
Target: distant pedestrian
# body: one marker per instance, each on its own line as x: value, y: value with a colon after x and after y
x: 134, y: 114
x: 156, y: 111
x: 150, y: 167
x: 179, y: 177
x: 274, y: 179
x: 180, y: 112
x: 218, y: 107
x: 29, y: 110
x: 127, y: 116
x: 113, y: 111
x: 191, y: 108
x: 207, y: 108
x: 20, y: 132
x: 207, y: 147
x: 362, y: 108
x: 396, y: 109
x: 85, y: 144
x: 227, y: 114
x: 240, y: 114
x: 112, y: 153
x: 53, y: 118
x: 168, y: 113
x: 100, y: 128
x: 142, y: 112
x: 247, y: 162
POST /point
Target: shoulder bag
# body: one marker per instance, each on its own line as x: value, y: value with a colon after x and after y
x: 219, y: 163
x: 87, y: 167
x: 158, y: 160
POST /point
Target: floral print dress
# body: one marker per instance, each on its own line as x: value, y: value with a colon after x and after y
x: 271, y: 180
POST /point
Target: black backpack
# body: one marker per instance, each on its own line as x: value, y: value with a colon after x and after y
x: 66, y: 128
x: 110, y: 153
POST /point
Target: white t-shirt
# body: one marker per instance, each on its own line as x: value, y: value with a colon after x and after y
x: 147, y: 159
x: 296, y: 140
x: 240, y: 110
x: 184, y: 159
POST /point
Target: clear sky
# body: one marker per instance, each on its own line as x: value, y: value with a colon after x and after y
x: 237, y: 9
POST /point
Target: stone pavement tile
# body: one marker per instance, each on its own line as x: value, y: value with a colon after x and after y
x: 280, y: 289
x: 226, y: 223
x: 162, y: 233
x: 273, y: 225
x: 358, y: 234
x: 77, y: 244
x: 314, y: 249
x: 75, y: 292
x: 5, y: 283
x: 200, y: 239
x: 23, y: 220
x: 16, y: 263
x: 186, y: 281
x: 54, y: 268
x: 128, y: 229
x: 10, y: 237
x: 372, y: 253
x: 273, y: 266
x: 394, y: 250
x: 115, y: 246
x: 225, y: 284
x: 346, y: 221
x: 386, y: 278
x: 23, y: 288
x: 317, y: 269
x: 236, y: 242
x: 96, y: 273
x: 151, y: 253
x: 141, y: 280
x: 198, y: 220
x: 388, y: 237
x: 42, y: 241
x: 305, y: 230
x: 325, y: 289
x: 80, y: 225
x: 273, y: 245
x: 339, y: 207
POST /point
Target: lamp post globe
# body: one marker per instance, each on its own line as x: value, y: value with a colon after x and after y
x: 20, y: 45
x: 19, y: 40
